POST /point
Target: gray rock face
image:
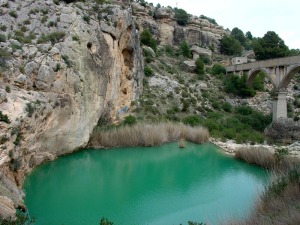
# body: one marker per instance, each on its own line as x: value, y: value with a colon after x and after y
x: 189, y: 66
x: 284, y: 130
x: 84, y: 71
x: 198, y: 32
x: 163, y: 13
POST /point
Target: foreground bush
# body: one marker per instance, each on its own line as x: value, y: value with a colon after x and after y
x: 147, y: 135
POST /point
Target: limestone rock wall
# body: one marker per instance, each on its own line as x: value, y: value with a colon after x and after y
x: 64, y: 67
x: 162, y: 24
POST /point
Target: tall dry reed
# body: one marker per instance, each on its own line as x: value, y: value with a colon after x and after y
x: 147, y: 135
x: 256, y: 155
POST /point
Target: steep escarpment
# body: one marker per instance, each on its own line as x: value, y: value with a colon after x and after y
x: 63, y: 67
x: 161, y: 22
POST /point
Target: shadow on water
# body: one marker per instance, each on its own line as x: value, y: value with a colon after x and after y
x: 157, y: 185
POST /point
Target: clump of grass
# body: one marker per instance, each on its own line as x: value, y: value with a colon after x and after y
x: 3, y: 27
x: 147, y: 135
x: 53, y: 37
x: 86, y: 18
x: 67, y: 60
x: 256, y: 155
x: 13, y: 14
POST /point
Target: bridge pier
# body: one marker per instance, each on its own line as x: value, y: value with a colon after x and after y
x: 280, y: 105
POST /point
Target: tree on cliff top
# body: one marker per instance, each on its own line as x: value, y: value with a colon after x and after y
x: 269, y: 46
x: 230, y: 46
x: 181, y: 16
x: 239, y: 35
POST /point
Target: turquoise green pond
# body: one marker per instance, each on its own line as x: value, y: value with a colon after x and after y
x: 155, y: 186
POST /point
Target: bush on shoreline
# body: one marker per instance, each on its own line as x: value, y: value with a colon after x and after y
x: 147, y: 135
x: 280, y: 202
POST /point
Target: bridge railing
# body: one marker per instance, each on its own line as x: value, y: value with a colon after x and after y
x: 285, y: 61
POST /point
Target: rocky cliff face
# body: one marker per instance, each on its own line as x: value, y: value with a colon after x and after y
x: 162, y: 24
x: 63, y: 67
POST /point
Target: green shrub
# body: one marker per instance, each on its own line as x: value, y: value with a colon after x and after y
x: 192, y: 120
x: 169, y: 50
x: 4, y: 118
x: 13, y: 14
x: 147, y: 39
x: 53, y: 37
x: 185, y: 94
x: 18, y: 139
x: 7, y: 89
x: 148, y: 71
x: 2, y: 38
x: 258, y: 82
x: 71, y: 1
x: 229, y: 133
x: 185, y: 106
x: 51, y: 24
x: 205, y: 59
x: 44, y: 19
x: 215, y: 105
x: 181, y: 16
x: 75, y: 38
x: 148, y: 56
x: 255, y: 119
x: 4, y: 57
x: 20, y: 36
x: 184, y: 50
x: 237, y: 85
x: 230, y: 46
x: 218, y: 70
x: 129, y: 120
x: 211, y: 125
x: 3, y: 27
x: 44, y: 11
x: 15, y: 164
x: 57, y: 67
x: 86, y: 18
x: 227, y: 107
x: 199, y: 67
x: 30, y: 108
x: 211, y: 20
x: 244, y: 110
x: 67, y: 60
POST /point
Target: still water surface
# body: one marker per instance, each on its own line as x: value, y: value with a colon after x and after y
x: 157, y: 186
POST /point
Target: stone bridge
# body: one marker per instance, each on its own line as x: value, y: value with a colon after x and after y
x: 279, y: 71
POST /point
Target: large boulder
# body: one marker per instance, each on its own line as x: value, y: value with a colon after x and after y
x: 189, y: 65
x: 284, y: 130
x: 164, y: 13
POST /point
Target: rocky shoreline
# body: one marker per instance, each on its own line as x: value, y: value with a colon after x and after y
x: 230, y: 147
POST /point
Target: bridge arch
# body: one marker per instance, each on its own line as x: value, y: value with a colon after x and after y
x: 288, y: 77
x: 253, y: 73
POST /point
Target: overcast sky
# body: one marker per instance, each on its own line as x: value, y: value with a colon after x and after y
x: 256, y: 16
